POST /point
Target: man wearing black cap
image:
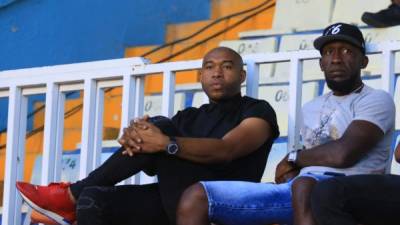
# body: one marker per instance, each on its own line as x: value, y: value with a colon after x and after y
x: 345, y: 132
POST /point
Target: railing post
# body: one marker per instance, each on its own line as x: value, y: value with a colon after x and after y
x: 132, y: 107
x: 139, y: 97
x: 295, y: 92
x: 388, y: 77
x: 60, y: 137
x: 88, y: 126
x: 53, y: 130
x: 16, y: 131
x: 252, y: 80
x: 98, y: 128
x: 128, y: 100
x: 168, y: 94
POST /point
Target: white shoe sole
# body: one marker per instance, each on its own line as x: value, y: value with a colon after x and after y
x: 59, y: 219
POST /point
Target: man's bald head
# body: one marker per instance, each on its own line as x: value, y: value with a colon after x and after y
x: 236, y: 57
x: 222, y: 74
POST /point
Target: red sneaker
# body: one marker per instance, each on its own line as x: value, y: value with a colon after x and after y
x: 52, y: 201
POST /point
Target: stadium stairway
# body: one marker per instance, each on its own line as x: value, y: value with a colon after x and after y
x: 224, y: 25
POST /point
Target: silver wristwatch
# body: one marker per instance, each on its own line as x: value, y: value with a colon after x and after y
x: 172, y: 147
x: 292, y: 156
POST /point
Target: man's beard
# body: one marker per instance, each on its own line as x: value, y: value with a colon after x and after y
x: 343, y: 86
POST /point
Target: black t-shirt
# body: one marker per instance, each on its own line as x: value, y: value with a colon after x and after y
x: 213, y: 121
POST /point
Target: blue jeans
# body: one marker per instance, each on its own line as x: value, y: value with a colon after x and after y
x: 247, y: 203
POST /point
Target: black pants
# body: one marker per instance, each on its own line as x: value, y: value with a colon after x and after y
x: 100, y: 202
x: 122, y: 205
x: 361, y: 199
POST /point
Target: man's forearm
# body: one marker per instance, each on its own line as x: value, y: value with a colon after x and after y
x: 205, y: 150
x: 331, y: 154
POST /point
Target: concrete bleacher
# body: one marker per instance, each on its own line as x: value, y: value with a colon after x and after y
x: 302, y: 14
x: 297, y: 15
x: 350, y: 11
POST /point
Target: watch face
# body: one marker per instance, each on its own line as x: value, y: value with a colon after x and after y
x: 172, y: 148
x: 292, y: 156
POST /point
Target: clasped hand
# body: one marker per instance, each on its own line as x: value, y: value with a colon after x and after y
x: 285, y: 171
x: 142, y: 136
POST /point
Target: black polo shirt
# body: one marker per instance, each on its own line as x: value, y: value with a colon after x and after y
x: 213, y: 120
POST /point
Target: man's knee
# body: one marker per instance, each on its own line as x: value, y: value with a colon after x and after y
x: 326, y: 193
x: 91, y: 199
x: 302, y: 184
x: 193, y: 202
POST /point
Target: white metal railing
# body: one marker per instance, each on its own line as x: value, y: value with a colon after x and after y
x: 94, y: 77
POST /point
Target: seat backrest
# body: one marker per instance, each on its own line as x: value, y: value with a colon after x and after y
x: 277, y: 95
x: 199, y: 98
x: 302, y: 14
x: 311, y: 69
x: 350, y: 11
x: 376, y: 36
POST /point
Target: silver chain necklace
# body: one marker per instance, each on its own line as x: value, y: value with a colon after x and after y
x: 325, y: 118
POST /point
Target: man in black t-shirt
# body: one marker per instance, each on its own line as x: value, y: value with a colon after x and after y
x: 227, y: 139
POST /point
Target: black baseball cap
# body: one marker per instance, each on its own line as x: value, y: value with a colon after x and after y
x: 341, y: 32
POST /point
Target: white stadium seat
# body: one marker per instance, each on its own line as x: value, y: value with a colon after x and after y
x: 297, y: 15
x: 302, y: 14
x: 376, y: 36
x: 199, y: 98
x: 278, y: 96
x: 263, y: 45
x: 311, y: 69
x: 152, y: 104
x: 350, y: 11
x: 374, y: 83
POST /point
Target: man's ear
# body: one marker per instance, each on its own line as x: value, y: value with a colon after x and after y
x: 200, y: 75
x: 243, y: 76
x: 365, y: 62
x: 320, y: 65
